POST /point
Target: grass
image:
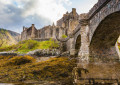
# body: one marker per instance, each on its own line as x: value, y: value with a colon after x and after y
x: 54, y: 69
x: 30, y: 45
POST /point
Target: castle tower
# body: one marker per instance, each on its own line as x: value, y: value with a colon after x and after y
x: 33, y: 31
x: 74, y: 11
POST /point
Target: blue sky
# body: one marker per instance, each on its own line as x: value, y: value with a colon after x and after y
x: 14, y: 14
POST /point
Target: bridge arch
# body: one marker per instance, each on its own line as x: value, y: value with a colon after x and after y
x: 104, y: 38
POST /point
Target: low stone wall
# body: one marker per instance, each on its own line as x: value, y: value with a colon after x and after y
x: 48, y: 53
x: 44, y: 52
x: 39, y: 39
x: 39, y: 53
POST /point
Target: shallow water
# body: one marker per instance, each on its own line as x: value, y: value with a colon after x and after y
x: 5, y: 84
x: 99, y: 71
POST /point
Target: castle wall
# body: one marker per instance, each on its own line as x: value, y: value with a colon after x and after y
x: 29, y: 33
x: 59, y: 22
x: 65, y: 26
x: 43, y: 33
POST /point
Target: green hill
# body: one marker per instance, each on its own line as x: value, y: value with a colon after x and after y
x: 8, y: 38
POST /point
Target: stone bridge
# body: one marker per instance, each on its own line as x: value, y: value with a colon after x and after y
x: 97, y: 32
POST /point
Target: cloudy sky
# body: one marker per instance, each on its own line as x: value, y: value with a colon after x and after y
x: 14, y: 14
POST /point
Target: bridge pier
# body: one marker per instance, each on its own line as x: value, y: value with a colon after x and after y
x: 84, y: 49
x: 72, y: 52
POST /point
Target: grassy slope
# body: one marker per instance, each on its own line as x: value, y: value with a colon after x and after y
x: 29, y: 45
x: 15, y: 69
x: 7, y: 38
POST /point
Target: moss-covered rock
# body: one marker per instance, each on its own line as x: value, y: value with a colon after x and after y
x: 19, y: 60
x: 54, y: 69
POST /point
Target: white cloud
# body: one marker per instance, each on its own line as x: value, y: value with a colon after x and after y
x: 17, y: 13
x: 67, y: 2
x: 51, y: 9
x: 5, y: 1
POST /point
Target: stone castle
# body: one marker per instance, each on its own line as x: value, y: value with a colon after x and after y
x: 64, y: 27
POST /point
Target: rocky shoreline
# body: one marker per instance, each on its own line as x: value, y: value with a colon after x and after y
x: 38, y: 53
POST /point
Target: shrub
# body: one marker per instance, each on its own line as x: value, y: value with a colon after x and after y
x: 64, y: 36
x: 19, y: 60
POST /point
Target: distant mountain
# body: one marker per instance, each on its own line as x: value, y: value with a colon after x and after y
x: 8, y: 37
x: 15, y: 35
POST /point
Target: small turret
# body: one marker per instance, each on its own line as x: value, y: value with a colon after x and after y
x: 23, y: 28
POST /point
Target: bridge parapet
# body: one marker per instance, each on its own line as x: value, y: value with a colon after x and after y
x: 97, y: 7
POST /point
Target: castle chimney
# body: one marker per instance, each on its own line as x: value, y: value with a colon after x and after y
x: 33, y: 31
x: 33, y: 25
x: 74, y: 11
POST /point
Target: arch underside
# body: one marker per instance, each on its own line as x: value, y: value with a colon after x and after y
x: 105, y: 37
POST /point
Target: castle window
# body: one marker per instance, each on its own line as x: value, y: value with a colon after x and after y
x: 57, y: 32
x: 51, y: 33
